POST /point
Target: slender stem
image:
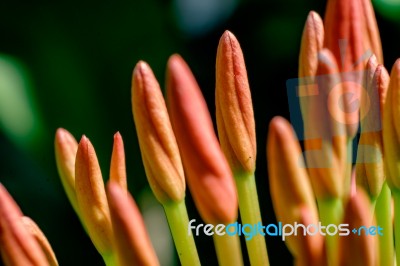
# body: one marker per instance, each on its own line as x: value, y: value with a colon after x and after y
x: 396, y: 198
x: 348, y: 170
x: 178, y: 221
x: 331, y: 212
x: 228, y: 250
x: 383, y: 214
x: 109, y: 259
x: 250, y: 214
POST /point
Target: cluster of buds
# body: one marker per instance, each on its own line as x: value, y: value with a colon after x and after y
x: 178, y: 145
x: 340, y: 66
x: 342, y: 85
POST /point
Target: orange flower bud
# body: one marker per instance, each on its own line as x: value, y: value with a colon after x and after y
x: 65, y: 149
x: 352, y: 35
x: 41, y: 239
x: 157, y: 141
x: 17, y: 245
x: 370, y: 169
x: 288, y: 177
x: 235, y: 118
x: 311, y: 43
x: 118, y: 168
x: 344, y: 24
x: 324, y: 131
x: 359, y: 248
x: 372, y: 39
x: 132, y: 244
x: 91, y: 197
x: 209, y: 176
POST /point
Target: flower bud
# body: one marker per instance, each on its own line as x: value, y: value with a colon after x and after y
x: 358, y: 248
x: 17, y: 245
x: 209, y: 176
x: 352, y: 35
x: 288, y: 177
x: 235, y: 117
x: 65, y: 149
x: 132, y: 243
x: 324, y: 130
x: 157, y: 141
x: 41, y: 239
x: 370, y: 169
x: 311, y: 43
x: 91, y: 197
x: 117, y: 167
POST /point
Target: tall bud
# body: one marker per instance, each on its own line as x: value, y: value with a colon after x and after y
x: 234, y: 109
x: 209, y: 176
x: 157, y: 141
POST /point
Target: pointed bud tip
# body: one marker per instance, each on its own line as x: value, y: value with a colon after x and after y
x: 175, y: 61
x: 83, y: 139
x: 314, y: 20
x: 60, y: 133
x: 396, y: 66
x: 179, y: 75
x: 63, y: 135
x: 278, y: 126
x: 117, y: 136
x: 228, y: 36
x: 84, y: 147
x: 140, y: 69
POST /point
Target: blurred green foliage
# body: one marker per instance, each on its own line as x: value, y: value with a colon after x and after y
x: 69, y: 65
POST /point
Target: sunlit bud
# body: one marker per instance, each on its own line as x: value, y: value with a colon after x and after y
x: 132, y: 243
x: 118, y: 168
x: 17, y: 245
x: 324, y: 131
x: 209, y: 176
x: 235, y: 118
x: 358, y: 248
x: 41, y: 239
x: 288, y: 176
x: 66, y: 148
x: 91, y: 196
x: 311, y: 43
x: 370, y: 169
x: 391, y: 128
x: 157, y: 141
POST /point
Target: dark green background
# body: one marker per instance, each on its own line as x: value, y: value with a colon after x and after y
x: 78, y: 59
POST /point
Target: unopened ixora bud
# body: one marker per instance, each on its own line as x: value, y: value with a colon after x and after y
x: 157, y: 141
x: 234, y: 108
x: 91, y: 197
x: 209, y: 177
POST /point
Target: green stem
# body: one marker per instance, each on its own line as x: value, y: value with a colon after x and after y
x: 331, y: 212
x: 348, y: 170
x: 396, y: 198
x: 178, y: 221
x: 383, y: 214
x: 250, y: 214
x: 109, y: 260
x: 228, y: 250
